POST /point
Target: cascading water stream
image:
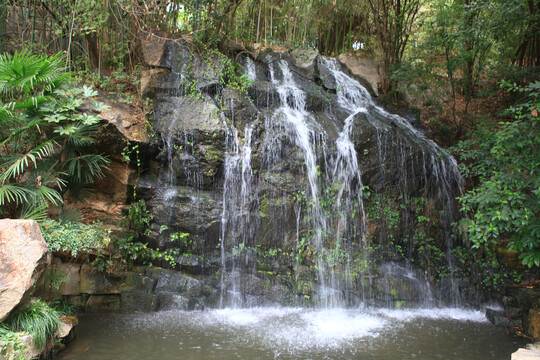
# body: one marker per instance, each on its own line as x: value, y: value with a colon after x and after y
x: 295, y: 117
x: 288, y: 157
x: 235, y: 220
x: 355, y: 99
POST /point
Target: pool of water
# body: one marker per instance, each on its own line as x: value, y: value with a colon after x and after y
x: 291, y: 333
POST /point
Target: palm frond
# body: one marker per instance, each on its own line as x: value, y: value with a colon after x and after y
x: 19, y: 165
x: 68, y: 214
x: 50, y: 195
x: 20, y: 126
x: 27, y: 75
x: 84, y: 136
x: 84, y: 168
x: 14, y: 193
x: 34, y: 212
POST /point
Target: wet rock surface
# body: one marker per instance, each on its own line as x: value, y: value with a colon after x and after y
x: 249, y: 160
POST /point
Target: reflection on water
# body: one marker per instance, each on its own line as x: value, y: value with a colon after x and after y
x: 290, y: 333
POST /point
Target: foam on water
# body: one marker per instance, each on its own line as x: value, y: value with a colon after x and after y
x: 434, y: 314
x: 249, y: 316
x: 295, y: 329
x: 341, y: 324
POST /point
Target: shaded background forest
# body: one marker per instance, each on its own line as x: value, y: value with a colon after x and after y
x: 453, y: 50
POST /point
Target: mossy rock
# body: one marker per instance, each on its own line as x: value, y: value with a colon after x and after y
x: 103, y: 303
x: 114, y: 283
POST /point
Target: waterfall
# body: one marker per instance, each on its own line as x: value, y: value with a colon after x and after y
x: 296, y: 221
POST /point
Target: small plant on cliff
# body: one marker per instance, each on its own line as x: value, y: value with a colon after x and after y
x: 38, y: 319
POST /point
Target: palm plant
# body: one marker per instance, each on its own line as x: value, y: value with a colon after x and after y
x: 45, y: 142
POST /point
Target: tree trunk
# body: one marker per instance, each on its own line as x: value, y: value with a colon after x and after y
x: 93, y: 54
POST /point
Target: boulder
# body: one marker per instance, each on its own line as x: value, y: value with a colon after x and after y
x: 138, y: 301
x: 304, y: 59
x: 365, y: 68
x: 107, y: 202
x: 155, y: 50
x: 498, y: 317
x: 531, y: 352
x: 176, y: 115
x: 23, y: 258
x: 150, y: 78
x: 129, y: 123
x: 168, y: 301
x: 103, y: 303
x: 26, y: 351
x: 171, y: 281
x: 61, y: 279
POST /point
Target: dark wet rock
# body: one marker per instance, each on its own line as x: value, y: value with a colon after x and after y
x: 324, y: 74
x: 176, y: 282
x: 238, y: 108
x: 168, y: 301
x: 138, y: 301
x: 498, y: 317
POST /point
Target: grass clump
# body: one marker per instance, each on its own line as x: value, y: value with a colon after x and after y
x: 39, y: 320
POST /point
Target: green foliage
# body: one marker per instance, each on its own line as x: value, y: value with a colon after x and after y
x: 130, y: 248
x: 232, y: 76
x: 75, y: 237
x: 38, y: 319
x: 504, y: 161
x: 139, y: 217
x: 46, y: 143
x: 11, y: 345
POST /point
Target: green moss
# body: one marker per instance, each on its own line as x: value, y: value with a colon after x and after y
x: 213, y: 156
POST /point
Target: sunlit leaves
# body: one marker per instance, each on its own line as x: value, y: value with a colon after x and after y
x: 99, y: 106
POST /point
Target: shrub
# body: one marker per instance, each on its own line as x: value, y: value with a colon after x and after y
x: 75, y: 237
x: 503, y: 162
